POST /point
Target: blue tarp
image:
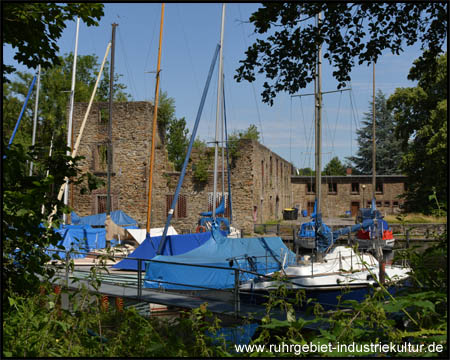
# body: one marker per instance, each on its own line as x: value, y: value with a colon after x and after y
x: 119, y: 217
x: 82, y: 238
x: 262, y: 255
x: 175, y: 245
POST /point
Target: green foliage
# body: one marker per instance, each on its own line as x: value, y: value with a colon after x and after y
x: 166, y: 113
x: 420, y: 115
x: 36, y: 326
x: 335, y: 167
x: 27, y: 204
x: 388, y: 147
x: 34, y: 29
x: 306, y: 172
x: 350, y: 32
x: 251, y: 133
x: 54, y: 97
x: 177, y: 142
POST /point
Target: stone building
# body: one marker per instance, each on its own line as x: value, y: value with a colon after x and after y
x: 260, y: 186
x: 262, y: 182
x: 349, y: 193
x: 131, y: 145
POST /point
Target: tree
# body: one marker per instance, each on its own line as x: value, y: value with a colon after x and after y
x: 177, y: 142
x: 251, y: 133
x: 334, y: 167
x: 420, y: 114
x: 351, y: 32
x: 306, y: 172
x: 34, y: 28
x: 388, y: 148
x: 54, y: 97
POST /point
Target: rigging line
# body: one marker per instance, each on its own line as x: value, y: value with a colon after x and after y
x: 252, y: 84
x: 123, y: 53
x: 354, y: 119
x: 290, y: 131
x: 150, y: 47
x: 186, y: 42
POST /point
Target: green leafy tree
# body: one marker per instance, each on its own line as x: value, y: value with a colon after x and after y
x: 420, y: 114
x: 388, y: 147
x: 335, y: 167
x: 251, y: 133
x: 166, y: 114
x: 350, y: 33
x: 177, y: 142
x: 54, y: 98
x: 306, y: 172
x: 34, y: 29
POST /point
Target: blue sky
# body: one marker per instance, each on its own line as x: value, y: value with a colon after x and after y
x: 190, y: 35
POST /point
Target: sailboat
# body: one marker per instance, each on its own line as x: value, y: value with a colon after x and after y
x: 221, y: 262
x: 365, y: 238
x: 330, y: 268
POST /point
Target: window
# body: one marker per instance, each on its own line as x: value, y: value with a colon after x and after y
x: 103, y: 116
x: 332, y: 188
x: 262, y: 175
x: 270, y: 167
x: 101, y: 158
x: 395, y: 203
x: 369, y: 203
x: 355, y: 188
x: 181, y: 208
x: 101, y: 203
x: 387, y: 204
x: 378, y: 204
x: 310, y: 188
x: 379, y: 188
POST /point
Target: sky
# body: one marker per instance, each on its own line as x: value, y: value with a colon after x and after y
x: 190, y: 34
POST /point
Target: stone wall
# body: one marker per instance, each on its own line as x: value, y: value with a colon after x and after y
x: 131, y: 142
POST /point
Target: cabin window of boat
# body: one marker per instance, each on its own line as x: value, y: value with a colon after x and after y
x: 355, y: 188
x: 332, y: 188
x: 379, y: 188
x: 311, y: 188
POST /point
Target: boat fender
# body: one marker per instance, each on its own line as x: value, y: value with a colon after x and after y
x: 200, y: 229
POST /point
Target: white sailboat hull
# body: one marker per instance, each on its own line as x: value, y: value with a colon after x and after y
x: 340, y: 269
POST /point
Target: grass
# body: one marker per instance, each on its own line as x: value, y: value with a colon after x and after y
x: 414, y: 218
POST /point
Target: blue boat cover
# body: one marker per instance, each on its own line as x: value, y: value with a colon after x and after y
x: 82, y: 238
x: 118, y: 216
x: 175, y: 245
x: 262, y: 255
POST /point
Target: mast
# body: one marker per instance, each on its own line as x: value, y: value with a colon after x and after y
x: 219, y: 93
x: 33, y: 139
x: 318, y: 123
x: 373, y: 139
x: 155, y: 115
x: 70, y: 124
x: 111, y: 91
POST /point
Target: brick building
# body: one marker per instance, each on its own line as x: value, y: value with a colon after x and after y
x: 262, y: 182
x: 349, y: 193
